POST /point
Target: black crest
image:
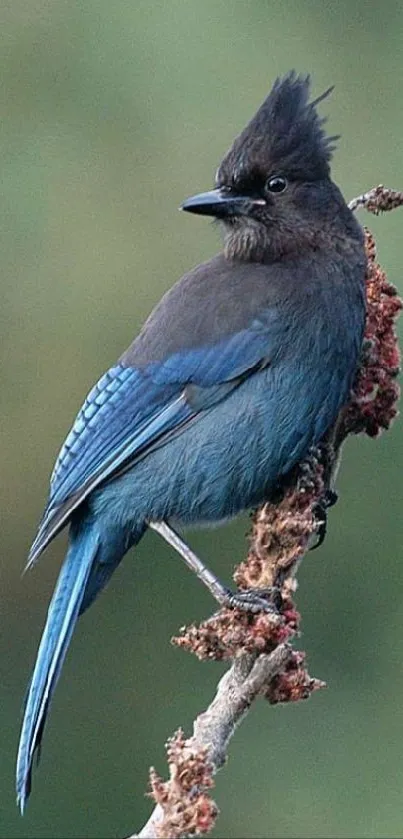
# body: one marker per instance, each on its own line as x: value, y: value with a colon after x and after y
x: 285, y: 135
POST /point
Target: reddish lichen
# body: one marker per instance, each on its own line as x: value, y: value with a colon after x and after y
x: 373, y: 404
x: 294, y: 683
x: 231, y: 632
x: 187, y: 808
x: 281, y: 532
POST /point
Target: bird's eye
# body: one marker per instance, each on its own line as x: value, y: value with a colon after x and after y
x: 276, y: 184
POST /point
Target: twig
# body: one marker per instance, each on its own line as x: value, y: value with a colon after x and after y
x: 207, y: 748
x: 263, y: 661
x: 377, y: 200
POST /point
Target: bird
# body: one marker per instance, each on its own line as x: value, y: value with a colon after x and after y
x: 241, y: 368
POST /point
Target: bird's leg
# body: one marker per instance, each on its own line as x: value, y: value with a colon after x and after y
x: 250, y: 600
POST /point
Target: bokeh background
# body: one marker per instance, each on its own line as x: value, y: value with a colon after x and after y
x: 111, y: 114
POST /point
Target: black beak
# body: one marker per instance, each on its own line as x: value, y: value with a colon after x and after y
x: 221, y: 203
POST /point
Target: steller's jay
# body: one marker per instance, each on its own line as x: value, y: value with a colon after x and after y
x: 240, y: 369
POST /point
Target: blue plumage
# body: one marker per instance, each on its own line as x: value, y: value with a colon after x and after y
x: 239, y: 370
x: 62, y: 616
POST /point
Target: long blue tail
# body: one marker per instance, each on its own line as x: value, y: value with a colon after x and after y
x: 63, y: 612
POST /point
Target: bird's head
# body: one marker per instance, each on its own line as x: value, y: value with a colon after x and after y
x: 273, y: 190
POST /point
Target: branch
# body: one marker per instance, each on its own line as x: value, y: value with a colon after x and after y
x: 183, y: 808
x: 377, y: 200
x: 263, y: 661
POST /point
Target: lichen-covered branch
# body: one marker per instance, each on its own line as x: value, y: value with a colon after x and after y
x: 259, y: 645
x: 377, y: 200
x: 183, y: 805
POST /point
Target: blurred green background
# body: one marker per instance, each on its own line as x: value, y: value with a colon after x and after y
x: 111, y: 114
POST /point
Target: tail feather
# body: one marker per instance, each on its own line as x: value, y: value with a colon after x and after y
x: 100, y: 575
x: 62, y: 616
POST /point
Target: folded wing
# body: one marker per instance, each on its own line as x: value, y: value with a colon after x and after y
x: 132, y: 410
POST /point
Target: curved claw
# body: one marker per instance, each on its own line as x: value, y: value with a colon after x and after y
x: 255, y: 600
x: 331, y: 498
x: 320, y: 512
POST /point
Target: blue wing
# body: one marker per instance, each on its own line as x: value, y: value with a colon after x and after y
x: 132, y: 410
